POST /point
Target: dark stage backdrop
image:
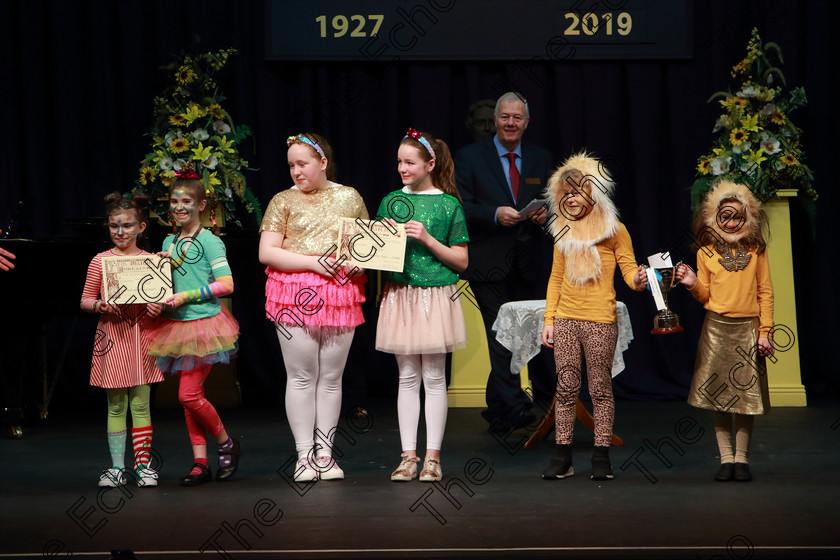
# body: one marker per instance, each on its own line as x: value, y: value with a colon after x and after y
x: 78, y: 79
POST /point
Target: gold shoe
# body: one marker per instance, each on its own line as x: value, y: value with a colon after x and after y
x: 431, y: 471
x: 407, y: 469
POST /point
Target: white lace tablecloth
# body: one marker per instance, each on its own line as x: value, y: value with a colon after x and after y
x: 519, y: 326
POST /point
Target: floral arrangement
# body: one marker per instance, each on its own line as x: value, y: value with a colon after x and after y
x: 191, y: 127
x: 757, y: 144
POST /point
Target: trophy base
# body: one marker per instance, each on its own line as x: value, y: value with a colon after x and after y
x: 666, y: 322
x: 666, y: 330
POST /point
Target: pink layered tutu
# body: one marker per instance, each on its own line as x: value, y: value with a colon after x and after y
x: 312, y: 300
x: 187, y: 345
x: 420, y: 320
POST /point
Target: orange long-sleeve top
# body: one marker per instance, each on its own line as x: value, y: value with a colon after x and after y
x: 742, y: 293
x: 595, y: 300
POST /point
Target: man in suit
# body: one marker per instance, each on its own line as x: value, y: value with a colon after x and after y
x: 510, y: 257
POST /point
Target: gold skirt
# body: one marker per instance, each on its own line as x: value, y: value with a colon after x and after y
x: 729, y: 375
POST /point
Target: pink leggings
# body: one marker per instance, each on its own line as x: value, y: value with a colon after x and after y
x: 200, y: 414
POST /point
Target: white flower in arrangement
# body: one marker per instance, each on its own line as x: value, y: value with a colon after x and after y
x: 211, y: 162
x: 718, y: 125
x: 229, y: 192
x: 720, y: 165
x: 788, y: 130
x: 166, y: 163
x: 748, y: 91
x: 221, y: 127
x: 770, y: 144
x: 778, y: 164
x: 742, y: 147
x: 726, y: 121
x: 178, y: 164
x: 172, y: 135
x: 200, y: 134
x: 767, y: 110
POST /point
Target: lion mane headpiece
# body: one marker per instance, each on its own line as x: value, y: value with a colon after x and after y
x: 576, y: 238
x: 714, y: 210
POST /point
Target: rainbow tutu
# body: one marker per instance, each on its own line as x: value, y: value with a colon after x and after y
x: 187, y: 345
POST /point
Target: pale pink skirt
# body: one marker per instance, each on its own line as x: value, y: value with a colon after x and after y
x: 420, y: 320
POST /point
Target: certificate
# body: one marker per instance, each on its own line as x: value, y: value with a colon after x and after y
x: 535, y: 204
x: 372, y: 244
x: 140, y: 279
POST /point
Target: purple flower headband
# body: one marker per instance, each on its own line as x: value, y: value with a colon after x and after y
x: 306, y: 140
x: 419, y: 137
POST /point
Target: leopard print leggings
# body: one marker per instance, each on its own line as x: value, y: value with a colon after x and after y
x: 598, y: 343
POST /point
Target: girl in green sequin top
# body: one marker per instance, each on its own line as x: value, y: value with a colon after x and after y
x: 420, y: 317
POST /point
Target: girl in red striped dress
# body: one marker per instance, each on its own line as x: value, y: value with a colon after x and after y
x: 120, y: 363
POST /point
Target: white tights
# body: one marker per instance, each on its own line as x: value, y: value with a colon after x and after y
x: 315, y: 359
x: 431, y: 368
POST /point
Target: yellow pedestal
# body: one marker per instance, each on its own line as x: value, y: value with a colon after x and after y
x: 471, y: 365
x: 784, y: 376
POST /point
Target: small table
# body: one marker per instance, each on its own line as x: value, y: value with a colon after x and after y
x: 518, y: 328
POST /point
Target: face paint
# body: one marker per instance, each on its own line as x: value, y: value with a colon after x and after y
x: 124, y: 228
x: 183, y: 206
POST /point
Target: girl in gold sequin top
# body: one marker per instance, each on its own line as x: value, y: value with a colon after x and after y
x: 314, y: 304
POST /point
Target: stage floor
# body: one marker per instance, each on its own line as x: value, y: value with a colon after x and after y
x: 492, y: 502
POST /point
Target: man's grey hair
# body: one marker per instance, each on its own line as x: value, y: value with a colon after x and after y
x: 509, y: 97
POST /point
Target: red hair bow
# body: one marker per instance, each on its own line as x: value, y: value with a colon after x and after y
x: 187, y: 172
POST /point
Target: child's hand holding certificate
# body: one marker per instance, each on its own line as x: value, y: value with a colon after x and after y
x: 141, y: 279
x: 372, y: 244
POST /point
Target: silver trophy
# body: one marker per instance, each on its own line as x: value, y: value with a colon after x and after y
x: 666, y: 321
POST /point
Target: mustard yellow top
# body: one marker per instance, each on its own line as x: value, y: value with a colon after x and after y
x: 595, y: 300
x: 738, y: 293
x: 309, y: 221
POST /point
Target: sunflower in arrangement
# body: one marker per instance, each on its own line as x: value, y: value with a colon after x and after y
x: 192, y: 128
x: 757, y: 144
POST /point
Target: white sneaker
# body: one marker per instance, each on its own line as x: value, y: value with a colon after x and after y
x: 328, y: 469
x: 304, y: 471
x: 431, y: 471
x: 145, y: 477
x: 112, y: 478
x: 407, y: 470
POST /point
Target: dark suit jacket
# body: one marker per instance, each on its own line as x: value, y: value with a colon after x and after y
x: 496, y: 252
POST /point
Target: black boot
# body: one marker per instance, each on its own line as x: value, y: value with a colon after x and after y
x: 561, y: 464
x: 601, y: 468
x: 741, y: 472
x: 725, y: 472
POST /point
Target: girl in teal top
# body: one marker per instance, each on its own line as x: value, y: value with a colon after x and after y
x: 197, y: 330
x: 420, y: 317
